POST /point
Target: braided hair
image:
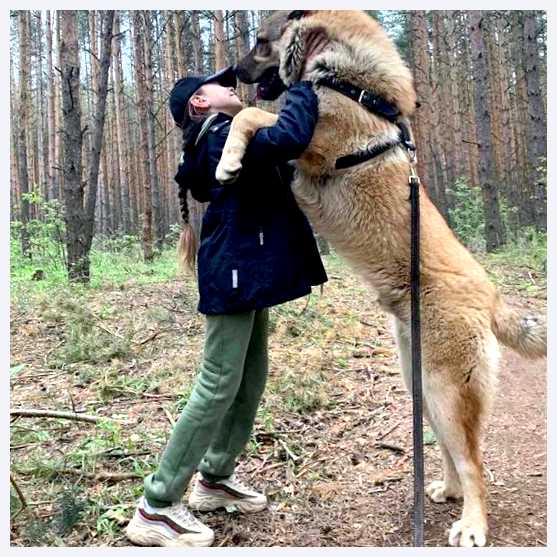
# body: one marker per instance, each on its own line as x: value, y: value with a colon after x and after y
x: 187, y: 244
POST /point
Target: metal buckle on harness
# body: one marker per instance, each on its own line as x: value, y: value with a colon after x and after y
x: 413, y: 179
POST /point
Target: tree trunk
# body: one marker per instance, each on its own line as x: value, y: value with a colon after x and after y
x: 53, y: 192
x: 421, y: 68
x: 23, y: 174
x: 121, y: 126
x: 179, y: 26
x: 520, y: 115
x: 174, y: 140
x: 494, y: 232
x: 76, y: 244
x: 139, y: 58
x: 99, y: 113
x: 504, y: 86
x: 150, y: 122
x: 246, y: 92
x: 196, y: 43
x: 536, y: 132
x: 197, y: 210
x: 14, y: 186
x: 59, y: 154
x: 111, y: 141
x: 220, y: 54
x: 43, y: 115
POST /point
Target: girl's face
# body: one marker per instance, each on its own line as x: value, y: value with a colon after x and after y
x: 213, y: 97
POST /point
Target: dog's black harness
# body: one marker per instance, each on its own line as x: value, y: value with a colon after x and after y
x: 378, y: 106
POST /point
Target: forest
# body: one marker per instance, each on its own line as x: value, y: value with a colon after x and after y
x: 104, y: 326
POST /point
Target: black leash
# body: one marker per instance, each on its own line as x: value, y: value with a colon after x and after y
x: 417, y: 400
x: 379, y: 106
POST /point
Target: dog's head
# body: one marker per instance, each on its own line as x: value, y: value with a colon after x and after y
x: 261, y: 64
x: 359, y: 52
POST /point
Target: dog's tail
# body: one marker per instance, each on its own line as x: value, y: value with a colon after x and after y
x: 525, y: 333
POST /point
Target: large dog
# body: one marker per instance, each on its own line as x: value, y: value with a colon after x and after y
x: 363, y: 210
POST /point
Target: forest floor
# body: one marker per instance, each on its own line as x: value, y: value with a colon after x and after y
x: 332, y: 442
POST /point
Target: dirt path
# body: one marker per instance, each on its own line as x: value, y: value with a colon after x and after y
x: 362, y: 495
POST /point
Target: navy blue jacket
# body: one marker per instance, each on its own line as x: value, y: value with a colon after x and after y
x: 257, y: 248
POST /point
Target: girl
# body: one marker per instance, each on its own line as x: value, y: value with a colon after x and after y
x: 257, y: 250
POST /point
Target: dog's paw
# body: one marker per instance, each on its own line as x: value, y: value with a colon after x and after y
x: 465, y: 533
x: 439, y: 492
x: 228, y: 170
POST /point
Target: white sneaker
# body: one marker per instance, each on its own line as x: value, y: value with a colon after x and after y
x: 230, y: 493
x: 172, y: 526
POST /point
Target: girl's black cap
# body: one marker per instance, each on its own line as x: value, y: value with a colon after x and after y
x: 184, y: 88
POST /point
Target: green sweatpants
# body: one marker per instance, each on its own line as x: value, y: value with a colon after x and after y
x: 217, y: 420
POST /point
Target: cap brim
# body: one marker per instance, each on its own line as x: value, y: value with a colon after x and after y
x: 226, y: 78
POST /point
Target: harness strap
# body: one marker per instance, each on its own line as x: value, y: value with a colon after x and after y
x: 371, y: 152
x: 371, y: 101
x: 364, y: 155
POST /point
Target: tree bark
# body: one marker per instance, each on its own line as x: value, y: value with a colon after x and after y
x: 536, y: 132
x: 23, y: 173
x: 246, y: 92
x: 220, y: 55
x: 14, y: 186
x: 421, y: 68
x: 78, y: 260
x: 196, y: 42
x: 179, y: 26
x: 494, y: 232
x: 99, y: 113
x: 139, y: 58
x: 53, y: 191
x: 150, y: 122
x: 121, y: 126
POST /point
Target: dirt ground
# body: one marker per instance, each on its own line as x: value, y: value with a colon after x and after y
x: 337, y: 469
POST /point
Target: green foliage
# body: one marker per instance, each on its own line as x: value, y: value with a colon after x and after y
x: 467, y: 215
x: 46, y: 236
x: 86, y: 339
x: 527, y: 249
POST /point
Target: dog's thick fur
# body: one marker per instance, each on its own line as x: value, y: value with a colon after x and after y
x: 364, y: 212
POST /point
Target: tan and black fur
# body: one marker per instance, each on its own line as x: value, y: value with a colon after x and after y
x: 364, y: 212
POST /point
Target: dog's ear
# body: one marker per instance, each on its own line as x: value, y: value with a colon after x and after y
x: 299, y: 14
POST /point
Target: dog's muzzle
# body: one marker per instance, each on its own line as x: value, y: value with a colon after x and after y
x: 270, y: 86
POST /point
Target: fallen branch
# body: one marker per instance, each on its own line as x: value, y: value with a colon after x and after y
x: 149, y: 338
x: 388, y: 432
x: 288, y: 452
x: 32, y: 413
x: 19, y: 492
x: 388, y: 446
x: 169, y: 416
x: 24, y: 504
x: 99, y: 476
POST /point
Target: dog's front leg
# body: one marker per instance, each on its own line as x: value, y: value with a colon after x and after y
x: 244, y: 126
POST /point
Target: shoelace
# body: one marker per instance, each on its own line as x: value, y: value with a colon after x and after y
x: 237, y: 483
x: 183, y: 513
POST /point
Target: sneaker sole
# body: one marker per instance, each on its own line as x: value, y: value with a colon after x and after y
x: 200, y: 502
x: 140, y: 533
